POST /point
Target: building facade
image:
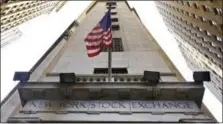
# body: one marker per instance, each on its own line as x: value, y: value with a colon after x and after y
x: 197, y: 27
x: 90, y: 97
x: 14, y: 13
x: 8, y: 36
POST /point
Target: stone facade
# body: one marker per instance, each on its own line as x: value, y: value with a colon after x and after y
x: 197, y: 27
x: 127, y: 98
x: 139, y: 47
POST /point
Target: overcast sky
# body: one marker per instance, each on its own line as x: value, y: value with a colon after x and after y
x: 22, y: 54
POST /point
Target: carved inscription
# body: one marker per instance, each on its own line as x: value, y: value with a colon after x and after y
x: 103, y: 106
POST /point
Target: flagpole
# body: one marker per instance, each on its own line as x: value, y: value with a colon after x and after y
x: 109, y: 64
x: 109, y: 57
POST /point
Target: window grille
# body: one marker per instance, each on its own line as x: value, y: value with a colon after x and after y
x: 117, y: 45
x: 114, y: 71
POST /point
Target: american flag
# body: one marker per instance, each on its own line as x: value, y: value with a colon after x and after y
x: 100, y: 35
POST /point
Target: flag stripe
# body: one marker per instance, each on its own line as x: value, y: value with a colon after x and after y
x: 108, y: 43
x: 106, y: 39
x: 95, y: 33
x: 97, y: 36
x: 97, y: 27
x: 95, y: 53
x: 91, y: 47
x: 93, y: 43
x: 107, y: 32
x: 94, y: 39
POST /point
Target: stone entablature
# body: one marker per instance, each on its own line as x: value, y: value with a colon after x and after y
x: 139, y: 90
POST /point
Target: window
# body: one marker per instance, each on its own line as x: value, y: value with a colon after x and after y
x: 195, y: 16
x: 213, y: 44
x: 204, y: 19
x: 208, y: 33
x: 117, y: 45
x: 66, y: 35
x: 111, y: 3
x: 195, y: 5
x: 206, y: 40
x: 217, y: 11
x: 190, y: 14
x: 113, y: 13
x: 205, y: 8
x: 200, y: 29
x: 219, y: 38
x: 206, y: 55
x: 181, y: 10
x: 114, y: 71
x: 115, y: 27
x: 112, y: 7
x: 219, y: 55
x: 213, y: 23
x: 181, y: 2
x: 169, y: 6
x: 114, y: 19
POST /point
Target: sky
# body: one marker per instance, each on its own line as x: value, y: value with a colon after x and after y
x: 23, y: 53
